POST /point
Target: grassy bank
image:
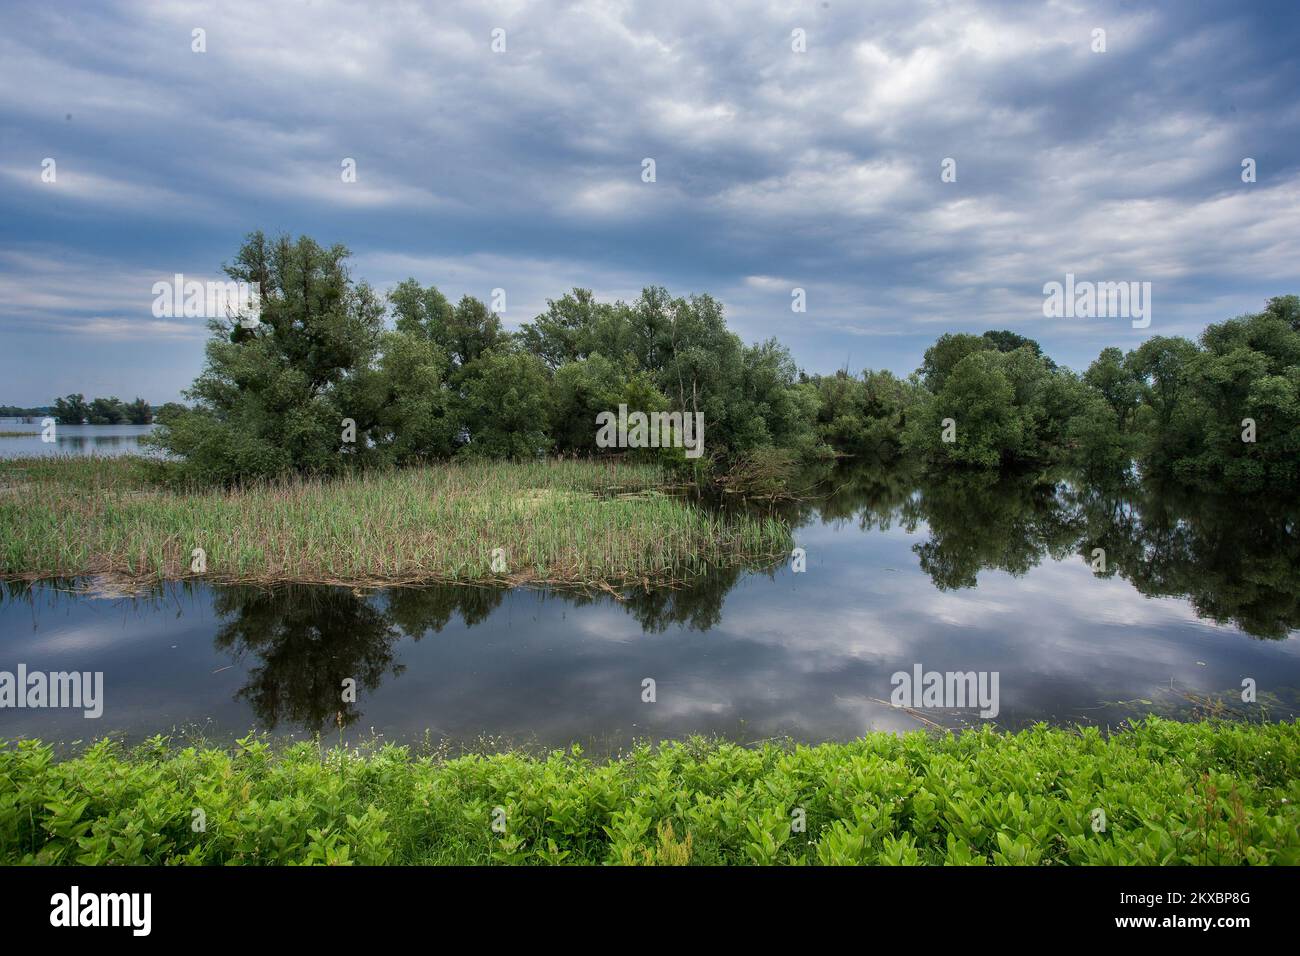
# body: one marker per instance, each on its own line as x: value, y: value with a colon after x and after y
x: 1207, y: 793
x: 555, y: 521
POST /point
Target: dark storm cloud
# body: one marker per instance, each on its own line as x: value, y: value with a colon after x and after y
x: 775, y: 169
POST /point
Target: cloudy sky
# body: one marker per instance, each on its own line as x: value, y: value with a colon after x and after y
x: 775, y: 168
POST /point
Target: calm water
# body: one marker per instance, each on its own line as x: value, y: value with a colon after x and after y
x: 71, y: 439
x: 960, y: 575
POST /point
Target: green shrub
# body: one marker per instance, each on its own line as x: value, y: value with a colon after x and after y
x: 1204, y: 793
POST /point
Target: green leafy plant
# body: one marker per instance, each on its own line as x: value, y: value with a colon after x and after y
x: 1208, y: 793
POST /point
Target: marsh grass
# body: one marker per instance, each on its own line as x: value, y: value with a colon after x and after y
x: 569, y: 522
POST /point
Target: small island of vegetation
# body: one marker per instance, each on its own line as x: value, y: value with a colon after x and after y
x: 322, y: 444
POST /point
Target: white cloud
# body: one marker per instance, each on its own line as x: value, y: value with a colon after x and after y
x: 822, y: 166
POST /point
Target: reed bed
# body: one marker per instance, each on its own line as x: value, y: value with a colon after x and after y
x: 568, y: 522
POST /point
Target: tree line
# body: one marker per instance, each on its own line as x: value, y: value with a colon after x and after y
x: 324, y: 381
x: 75, y: 410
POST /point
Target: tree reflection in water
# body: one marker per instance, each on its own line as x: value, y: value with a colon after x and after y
x: 1235, y: 560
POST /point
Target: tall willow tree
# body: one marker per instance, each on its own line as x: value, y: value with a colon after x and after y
x: 272, y: 397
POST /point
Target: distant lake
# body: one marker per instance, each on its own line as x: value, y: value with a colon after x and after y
x: 71, y: 439
x: 975, y: 574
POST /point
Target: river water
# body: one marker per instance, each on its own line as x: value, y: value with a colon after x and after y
x: 993, y: 576
x: 70, y: 439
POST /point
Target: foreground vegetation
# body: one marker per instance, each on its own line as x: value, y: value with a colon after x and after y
x: 1171, y: 793
x: 555, y: 521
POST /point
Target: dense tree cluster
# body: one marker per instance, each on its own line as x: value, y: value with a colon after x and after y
x: 325, y: 381
x: 75, y: 410
x: 321, y: 381
x: 1224, y: 412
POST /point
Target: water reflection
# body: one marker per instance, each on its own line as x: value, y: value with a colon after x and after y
x: 967, y: 572
x: 305, y: 643
x: 70, y: 439
x: 1237, y: 560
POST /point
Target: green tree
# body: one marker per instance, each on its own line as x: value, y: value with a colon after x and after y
x: 567, y: 331
x: 1247, y: 373
x: 583, y: 389
x: 274, y: 400
x: 71, y: 410
x: 169, y: 410
x: 864, y: 416
x: 1096, y: 441
x: 414, y: 417
x: 106, y: 411
x: 473, y: 330
x: 425, y: 313
x: 138, y: 412
x: 1117, y: 382
x: 503, y: 405
x: 1005, y: 340
x: 462, y: 335
x: 1159, y: 364
x: 1286, y: 308
x: 979, y: 399
x: 942, y: 357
